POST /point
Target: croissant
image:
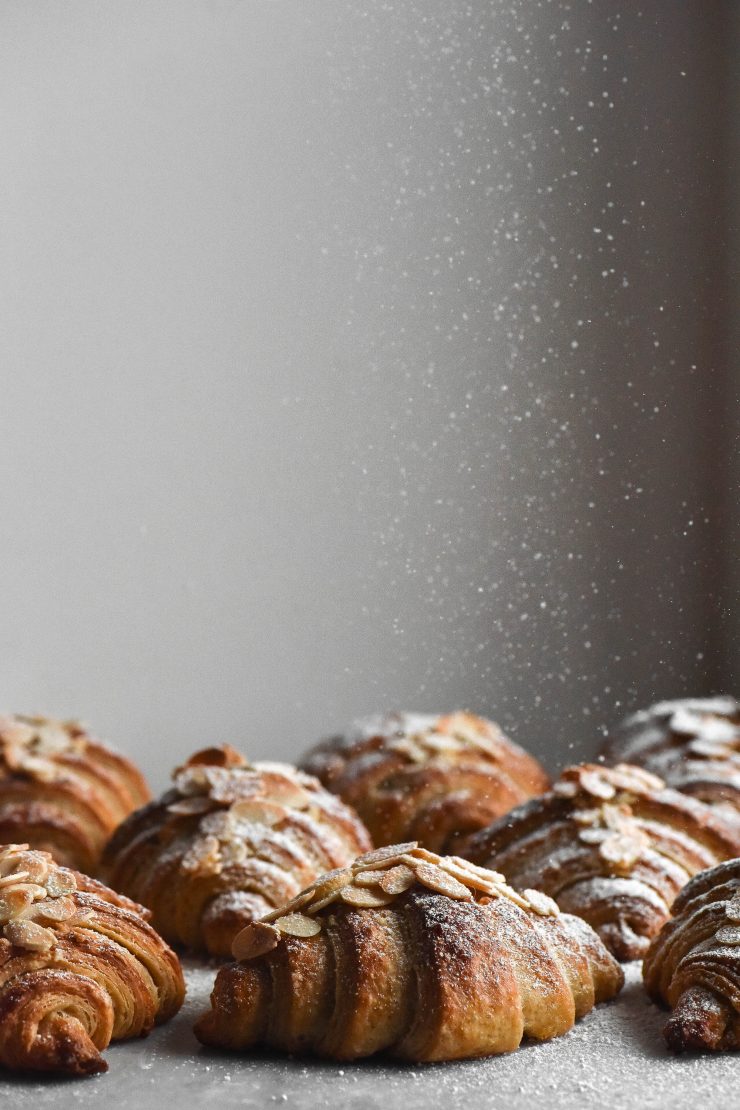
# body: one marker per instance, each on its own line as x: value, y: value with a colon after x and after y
x: 430, y: 778
x: 79, y: 967
x: 613, y: 845
x: 693, y: 965
x: 405, y: 952
x: 230, y: 842
x: 694, y: 745
x: 61, y: 790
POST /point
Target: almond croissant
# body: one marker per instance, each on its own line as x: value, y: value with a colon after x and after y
x: 231, y: 841
x: 79, y: 967
x: 694, y: 745
x: 61, y: 790
x: 610, y: 844
x: 429, y: 778
x: 405, y: 952
x: 693, y: 965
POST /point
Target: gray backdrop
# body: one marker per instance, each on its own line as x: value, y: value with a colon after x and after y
x: 363, y: 355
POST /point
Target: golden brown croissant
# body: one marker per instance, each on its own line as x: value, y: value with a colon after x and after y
x: 61, y: 790
x: 79, y: 967
x: 693, y: 965
x: 227, y: 844
x: 694, y: 745
x: 610, y: 844
x: 406, y: 952
x: 429, y: 778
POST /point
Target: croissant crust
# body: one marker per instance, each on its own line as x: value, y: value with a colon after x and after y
x: 429, y: 778
x: 230, y: 842
x: 422, y: 957
x: 79, y: 967
x: 61, y: 790
x: 694, y: 745
x: 613, y: 845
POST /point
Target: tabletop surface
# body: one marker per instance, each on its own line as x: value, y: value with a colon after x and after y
x: 615, y: 1058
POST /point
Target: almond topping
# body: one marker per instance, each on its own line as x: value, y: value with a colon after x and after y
x: 542, y: 903
x: 27, y: 934
x: 254, y: 940
x: 442, y: 882
x: 363, y: 898
x: 397, y: 880
x: 728, y: 934
x: 732, y: 909
x: 298, y: 925
x: 392, y: 852
x: 60, y: 881
x: 190, y: 806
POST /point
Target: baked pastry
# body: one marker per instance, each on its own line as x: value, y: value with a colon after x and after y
x: 434, y: 779
x: 693, y: 965
x: 694, y: 745
x: 611, y: 844
x: 227, y: 844
x: 79, y: 967
x: 61, y: 790
x: 405, y: 952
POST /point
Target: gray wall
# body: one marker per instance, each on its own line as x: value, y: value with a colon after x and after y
x: 360, y: 356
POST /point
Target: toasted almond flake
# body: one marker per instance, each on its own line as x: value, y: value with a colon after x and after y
x: 60, y: 881
x: 363, y: 898
x: 13, y: 901
x: 191, y: 806
x: 593, y: 783
x: 542, y: 903
x: 13, y: 879
x: 53, y: 909
x: 397, y: 879
x: 411, y: 750
x: 728, y: 934
x: 298, y: 925
x: 27, y: 934
x: 322, y: 903
x: 473, y: 868
x: 373, y: 876
x: 261, y: 812
x: 468, y: 877
x: 368, y: 859
x: 594, y: 836
x: 296, y: 903
x: 732, y: 909
x: 254, y: 940
x: 331, y: 881
x: 621, y: 849
x: 442, y: 882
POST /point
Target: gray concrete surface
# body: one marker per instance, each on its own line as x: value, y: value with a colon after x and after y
x: 614, y: 1058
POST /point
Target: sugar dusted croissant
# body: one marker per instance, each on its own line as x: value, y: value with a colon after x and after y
x: 693, y: 965
x: 429, y: 778
x: 230, y: 842
x: 61, y: 790
x: 79, y: 967
x: 613, y: 845
x: 405, y: 952
x: 694, y: 745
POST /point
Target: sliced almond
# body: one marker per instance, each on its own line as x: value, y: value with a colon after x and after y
x: 542, y: 903
x: 373, y: 876
x: 259, y: 811
x: 35, y: 865
x: 397, y: 879
x: 728, y: 934
x: 13, y: 878
x: 473, y: 869
x: 594, y: 836
x: 363, y: 898
x: 331, y: 881
x: 732, y: 909
x: 27, y: 934
x: 296, y: 903
x: 321, y: 903
x: 13, y: 901
x: 369, y: 859
x: 621, y: 849
x: 191, y: 806
x: 593, y: 783
x: 254, y: 940
x: 468, y: 877
x: 442, y: 882
x: 54, y: 909
x: 60, y: 881
x: 298, y: 925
